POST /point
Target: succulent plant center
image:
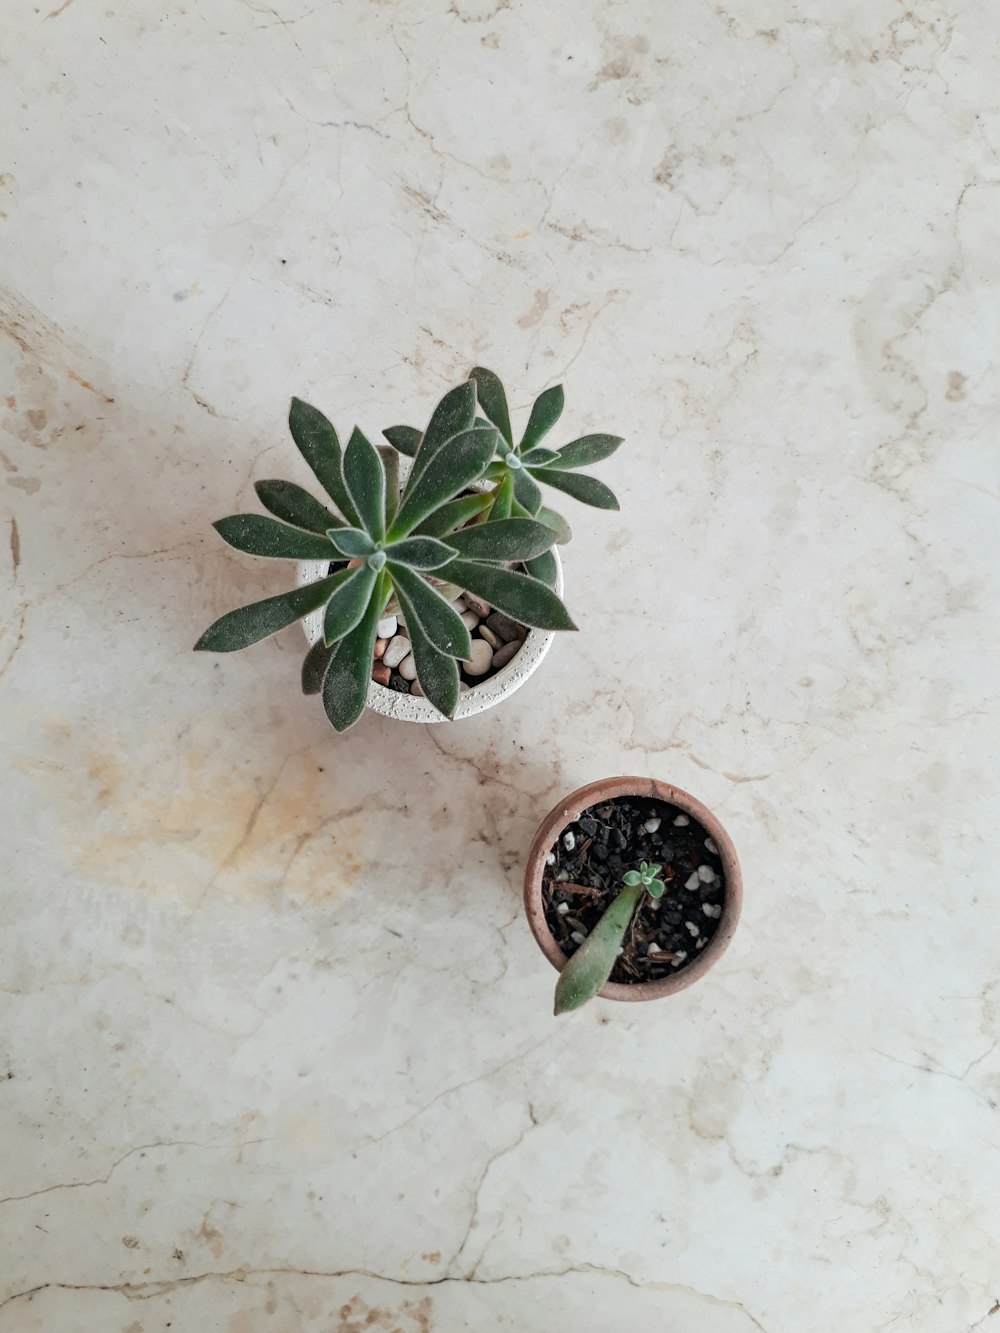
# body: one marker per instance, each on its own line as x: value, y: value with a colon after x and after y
x: 376, y: 560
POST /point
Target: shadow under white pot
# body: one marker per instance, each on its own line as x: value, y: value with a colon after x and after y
x: 415, y: 708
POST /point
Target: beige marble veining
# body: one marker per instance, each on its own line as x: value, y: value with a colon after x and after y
x: 276, y: 1050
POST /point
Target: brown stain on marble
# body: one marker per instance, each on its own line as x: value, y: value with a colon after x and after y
x: 538, y: 308
x: 413, y: 1316
x: 146, y: 814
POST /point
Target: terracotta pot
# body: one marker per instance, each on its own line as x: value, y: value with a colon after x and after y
x: 608, y: 789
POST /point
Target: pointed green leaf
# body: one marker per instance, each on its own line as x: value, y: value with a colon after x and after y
x: 592, y: 964
x: 455, y: 514
x: 539, y: 457
x: 588, y: 490
x: 504, y: 499
x: 496, y: 471
x: 287, y: 501
x: 502, y: 539
x: 318, y: 444
x: 545, y: 413
x: 315, y: 665
x: 364, y: 476
x: 493, y: 400
x: 527, y: 491
x: 258, y: 535
x: 563, y: 531
x: 436, y: 671
x: 453, y: 415
x: 543, y: 567
x: 657, y: 888
x: 352, y: 543
x: 456, y: 463
x: 349, y: 603
x: 421, y: 552
x: 587, y: 449
x: 518, y: 595
x: 249, y: 624
x: 390, y: 462
x: 440, y: 622
x: 404, y: 438
x: 345, y: 688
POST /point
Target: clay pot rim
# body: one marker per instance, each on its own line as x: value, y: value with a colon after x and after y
x: 609, y: 789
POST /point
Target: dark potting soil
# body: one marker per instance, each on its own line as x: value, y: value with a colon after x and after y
x: 583, y: 875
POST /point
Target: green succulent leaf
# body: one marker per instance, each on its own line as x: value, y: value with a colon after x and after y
x: 364, y: 477
x: 503, y: 539
x: 348, y: 604
x: 527, y: 491
x: 543, y: 567
x: 421, y: 552
x: 657, y: 888
x: 563, y: 531
x: 493, y: 400
x: 539, y: 457
x: 453, y: 415
x: 390, y: 462
x: 545, y: 412
x: 315, y: 665
x: 588, y: 490
x: 440, y: 622
x: 587, y: 449
x: 436, y: 671
x: 345, y: 687
x: 404, y: 438
x: 592, y: 964
x: 456, y: 463
x: 518, y: 595
x: 504, y: 499
x: 353, y: 543
x: 258, y: 535
x: 455, y: 514
x: 631, y: 878
x: 317, y: 442
x: 287, y: 501
x: 496, y: 471
x: 249, y: 624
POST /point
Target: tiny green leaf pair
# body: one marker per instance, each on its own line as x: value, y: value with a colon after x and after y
x: 465, y: 518
x: 592, y: 964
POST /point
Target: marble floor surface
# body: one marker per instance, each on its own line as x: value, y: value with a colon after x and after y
x: 276, y: 1048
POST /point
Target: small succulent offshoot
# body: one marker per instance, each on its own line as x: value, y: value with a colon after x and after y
x: 465, y: 520
x: 592, y: 964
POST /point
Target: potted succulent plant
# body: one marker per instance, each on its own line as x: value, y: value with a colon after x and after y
x: 438, y: 536
x: 632, y: 890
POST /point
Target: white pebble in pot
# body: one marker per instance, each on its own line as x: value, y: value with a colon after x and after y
x: 398, y: 648
x: 408, y: 668
x: 386, y: 627
x: 481, y: 660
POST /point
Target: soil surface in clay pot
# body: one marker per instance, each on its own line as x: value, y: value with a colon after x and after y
x: 583, y: 874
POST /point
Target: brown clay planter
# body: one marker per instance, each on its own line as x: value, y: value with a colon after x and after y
x: 609, y: 789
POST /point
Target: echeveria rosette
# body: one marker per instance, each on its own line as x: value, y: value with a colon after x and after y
x: 393, y: 544
x: 521, y: 469
x: 592, y: 964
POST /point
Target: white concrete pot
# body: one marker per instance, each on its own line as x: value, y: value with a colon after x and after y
x: 414, y: 708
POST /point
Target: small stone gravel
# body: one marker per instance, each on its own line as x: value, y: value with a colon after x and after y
x: 408, y: 668
x: 470, y: 620
x: 681, y: 821
x: 396, y: 650
x: 481, y: 660
x: 492, y: 639
x: 584, y: 870
x: 474, y: 603
x: 507, y: 629
x: 387, y: 627
x: 505, y: 654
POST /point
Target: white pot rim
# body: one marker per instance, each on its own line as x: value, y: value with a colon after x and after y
x: 413, y: 708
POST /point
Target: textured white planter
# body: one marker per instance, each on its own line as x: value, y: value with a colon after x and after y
x: 414, y: 708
